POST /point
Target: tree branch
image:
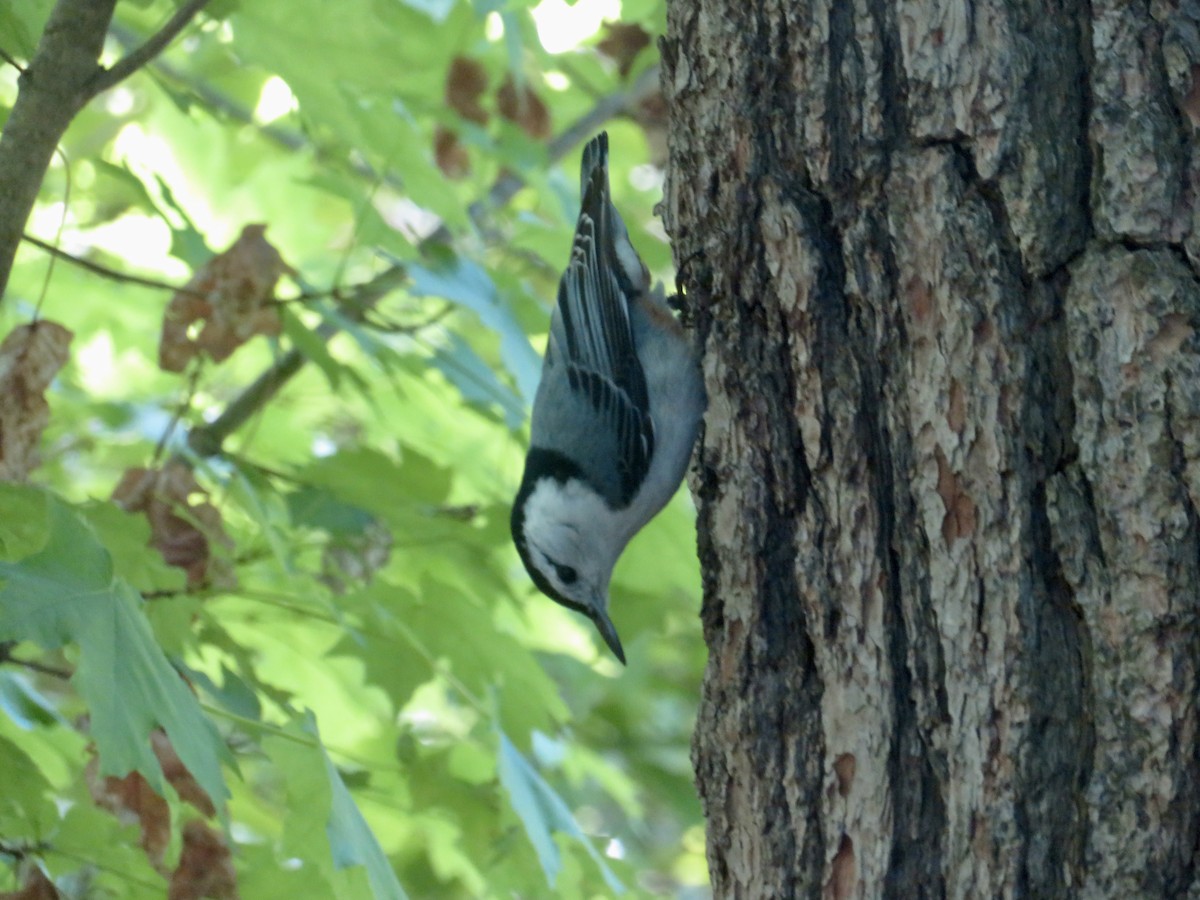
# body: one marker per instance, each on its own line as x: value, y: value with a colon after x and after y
x: 63, y: 75
x: 11, y: 60
x: 52, y: 90
x: 206, y: 440
x: 7, y: 657
x: 104, y: 271
x: 127, y: 65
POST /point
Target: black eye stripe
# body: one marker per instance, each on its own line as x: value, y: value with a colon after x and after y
x: 566, y: 574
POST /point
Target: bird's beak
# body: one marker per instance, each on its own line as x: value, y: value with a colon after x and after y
x: 609, y: 632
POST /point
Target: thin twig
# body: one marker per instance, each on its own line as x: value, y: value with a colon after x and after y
x: 105, y: 271
x: 44, y: 669
x: 606, y: 108
x: 62, y: 223
x: 154, y: 45
x: 184, y: 405
x: 11, y: 60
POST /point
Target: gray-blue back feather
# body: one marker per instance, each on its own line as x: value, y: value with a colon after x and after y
x: 592, y: 404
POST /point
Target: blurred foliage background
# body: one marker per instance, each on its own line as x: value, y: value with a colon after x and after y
x: 374, y: 700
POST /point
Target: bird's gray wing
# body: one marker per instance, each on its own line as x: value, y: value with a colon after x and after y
x: 592, y: 404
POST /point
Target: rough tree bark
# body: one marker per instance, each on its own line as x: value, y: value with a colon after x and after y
x: 943, y: 261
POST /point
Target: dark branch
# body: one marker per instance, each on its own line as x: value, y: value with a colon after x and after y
x: 11, y: 60
x: 53, y: 88
x: 7, y: 657
x: 206, y: 440
x: 127, y: 65
x: 105, y: 271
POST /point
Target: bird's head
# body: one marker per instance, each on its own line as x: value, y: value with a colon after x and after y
x: 559, y: 528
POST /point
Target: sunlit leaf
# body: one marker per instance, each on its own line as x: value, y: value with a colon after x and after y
x: 543, y: 812
x: 465, y: 283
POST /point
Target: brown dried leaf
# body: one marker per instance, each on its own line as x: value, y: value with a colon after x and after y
x: 451, y: 158
x: 525, y: 108
x: 37, y: 887
x: 622, y: 43
x: 30, y: 357
x: 178, y: 776
x: 133, y: 801
x: 231, y: 294
x: 651, y: 114
x: 181, y: 526
x: 465, y: 84
x: 205, y: 866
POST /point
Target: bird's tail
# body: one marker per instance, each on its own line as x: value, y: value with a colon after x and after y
x: 597, y: 203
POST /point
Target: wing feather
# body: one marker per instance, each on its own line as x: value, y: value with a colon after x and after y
x: 603, y: 419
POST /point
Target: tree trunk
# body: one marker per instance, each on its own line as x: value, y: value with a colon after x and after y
x: 942, y: 260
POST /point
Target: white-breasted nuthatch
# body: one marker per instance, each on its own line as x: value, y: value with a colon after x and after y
x: 615, y: 415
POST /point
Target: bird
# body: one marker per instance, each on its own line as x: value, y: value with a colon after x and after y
x: 615, y: 415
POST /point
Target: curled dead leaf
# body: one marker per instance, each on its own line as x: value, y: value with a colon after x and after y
x: 30, y: 356
x: 622, y: 43
x: 178, y: 776
x: 465, y: 83
x: 183, y: 525
x: 133, y: 801
x: 231, y: 294
x: 205, y: 866
x: 451, y: 158
x: 525, y: 108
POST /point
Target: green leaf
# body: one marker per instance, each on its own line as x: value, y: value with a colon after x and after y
x: 543, y: 812
x: 403, y: 637
x: 127, y: 538
x: 313, y: 346
x: 351, y: 839
x: 467, y: 284
x: 476, y: 380
x: 25, y: 806
x: 325, y: 824
x: 21, y: 22
x: 65, y: 593
x: 24, y: 704
x: 371, y: 480
x: 25, y: 525
x: 317, y: 507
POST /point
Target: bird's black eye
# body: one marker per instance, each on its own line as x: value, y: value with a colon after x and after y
x: 566, y: 574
